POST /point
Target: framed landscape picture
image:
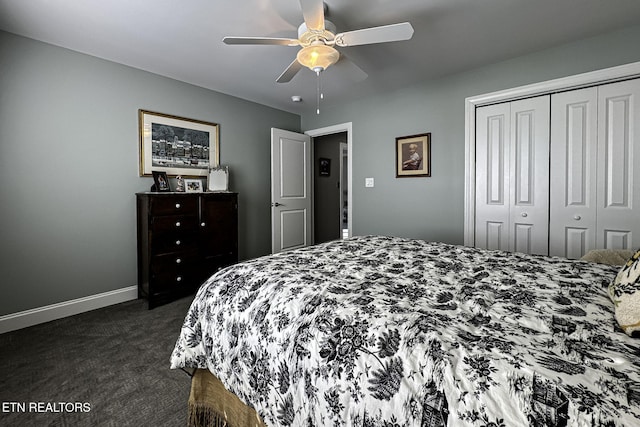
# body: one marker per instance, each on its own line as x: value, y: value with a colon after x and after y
x: 413, y: 156
x: 177, y: 145
x: 193, y: 186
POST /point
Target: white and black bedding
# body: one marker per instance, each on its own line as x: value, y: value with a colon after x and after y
x: 383, y: 331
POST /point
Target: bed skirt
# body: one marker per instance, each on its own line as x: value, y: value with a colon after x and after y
x: 212, y: 405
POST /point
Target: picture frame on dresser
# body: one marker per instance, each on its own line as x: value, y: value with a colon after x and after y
x: 161, y: 181
x: 413, y: 156
x: 193, y: 186
x: 177, y: 145
x: 218, y: 179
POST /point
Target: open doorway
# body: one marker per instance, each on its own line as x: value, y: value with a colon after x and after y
x: 330, y: 187
x: 332, y: 180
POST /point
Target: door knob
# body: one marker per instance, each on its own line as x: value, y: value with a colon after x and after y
x: 276, y: 204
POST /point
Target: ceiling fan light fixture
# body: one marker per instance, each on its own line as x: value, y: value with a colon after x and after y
x: 318, y: 57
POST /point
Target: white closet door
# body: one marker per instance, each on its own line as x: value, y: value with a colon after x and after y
x: 512, y: 176
x: 529, y: 176
x: 574, y: 132
x: 493, y: 132
x: 618, y: 212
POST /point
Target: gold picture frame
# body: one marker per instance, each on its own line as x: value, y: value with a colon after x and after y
x: 413, y: 156
x: 177, y: 145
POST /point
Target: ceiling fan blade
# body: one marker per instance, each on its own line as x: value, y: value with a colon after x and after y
x: 313, y: 12
x: 384, y: 34
x: 355, y: 73
x: 290, y: 72
x: 261, y: 40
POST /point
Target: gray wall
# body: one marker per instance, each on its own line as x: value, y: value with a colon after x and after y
x: 432, y: 208
x: 69, y: 168
x: 69, y: 157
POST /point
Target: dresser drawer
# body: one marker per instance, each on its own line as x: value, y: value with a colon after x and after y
x: 173, y: 223
x: 173, y: 282
x: 172, y: 205
x: 174, y: 263
x: 164, y: 243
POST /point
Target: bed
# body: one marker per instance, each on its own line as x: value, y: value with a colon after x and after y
x: 388, y: 331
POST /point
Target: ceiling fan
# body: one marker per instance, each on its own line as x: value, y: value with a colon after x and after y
x: 317, y: 38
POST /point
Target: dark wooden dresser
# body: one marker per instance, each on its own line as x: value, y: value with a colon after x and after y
x: 183, y: 238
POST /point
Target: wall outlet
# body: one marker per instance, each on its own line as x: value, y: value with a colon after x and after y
x: 368, y: 182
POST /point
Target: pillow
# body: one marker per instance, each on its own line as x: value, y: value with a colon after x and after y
x: 608, y: 256
x: 624, y: 291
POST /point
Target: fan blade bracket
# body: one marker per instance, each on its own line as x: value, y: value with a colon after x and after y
x: 383, y: 34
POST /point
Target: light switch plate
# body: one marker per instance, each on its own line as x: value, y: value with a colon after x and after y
x: 368, y: 182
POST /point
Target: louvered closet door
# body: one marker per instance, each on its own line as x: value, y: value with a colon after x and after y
x: 512, y: 176
x: 618, y: 212
x: 574, y: 133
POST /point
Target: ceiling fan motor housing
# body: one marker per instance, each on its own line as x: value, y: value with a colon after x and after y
x: 307, y: 36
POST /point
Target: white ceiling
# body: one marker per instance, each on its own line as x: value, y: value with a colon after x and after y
x: 183, y: 39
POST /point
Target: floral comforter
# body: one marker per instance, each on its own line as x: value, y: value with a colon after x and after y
x: 384, y: 331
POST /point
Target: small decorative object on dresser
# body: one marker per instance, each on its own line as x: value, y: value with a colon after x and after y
x: 413, y: 156
x: 182, y: 240
x: 219, y: 179
x: 179, y: 184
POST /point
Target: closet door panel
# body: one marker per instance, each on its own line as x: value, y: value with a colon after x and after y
x: 618, y: 210
x: 529, y: 175
x: 572, y: 194
x: 492, y: 174
x: 575, y: 242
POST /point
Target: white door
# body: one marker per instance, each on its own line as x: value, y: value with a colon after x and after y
x: 529, y: 183
x: 290, y: 190
x: 512, y: 176
x: 618, y: 213
x: 574, y: 142
x: 492, y: 176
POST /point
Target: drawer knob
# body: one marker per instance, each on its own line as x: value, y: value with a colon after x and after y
x: 179, y: 279
x: 577, y: 217
x: 178, y: 261
x: 202, y: 224
x: 177, y: 205
x: 178, y: 224
x: 178, y: 242
x: 524, y: 214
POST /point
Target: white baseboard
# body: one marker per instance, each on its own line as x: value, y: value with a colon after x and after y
x: 35, y: 316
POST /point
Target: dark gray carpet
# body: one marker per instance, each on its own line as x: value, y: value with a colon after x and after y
x: 115, y: 359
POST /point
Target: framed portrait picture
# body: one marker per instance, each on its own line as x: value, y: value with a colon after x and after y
x: 176, y: 145
x: 413, y: 156
x: 161, y: 181
x: 193, y: 186
x: 324, y: 166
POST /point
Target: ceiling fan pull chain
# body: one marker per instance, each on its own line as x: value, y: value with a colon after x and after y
x: 318, y: 93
